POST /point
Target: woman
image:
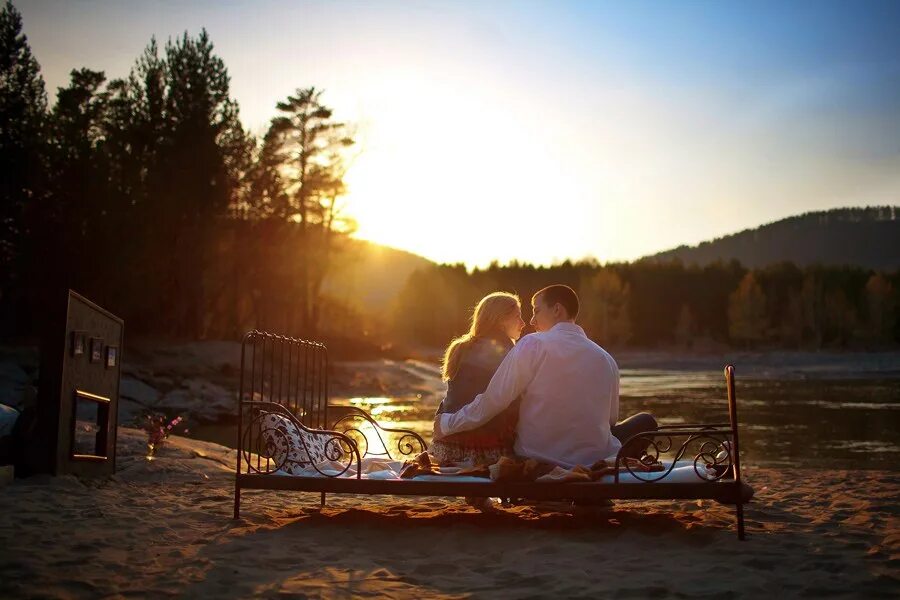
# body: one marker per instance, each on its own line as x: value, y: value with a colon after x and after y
x: 469, y: 363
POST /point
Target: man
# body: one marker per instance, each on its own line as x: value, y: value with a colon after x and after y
x: 569, y: 387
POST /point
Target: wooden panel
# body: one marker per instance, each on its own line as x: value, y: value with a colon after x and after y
x: 75, y: 349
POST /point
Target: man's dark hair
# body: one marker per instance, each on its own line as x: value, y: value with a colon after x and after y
x: 561, y: 294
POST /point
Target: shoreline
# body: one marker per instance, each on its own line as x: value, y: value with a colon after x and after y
x: 175, y: 536
x: 199, y: 381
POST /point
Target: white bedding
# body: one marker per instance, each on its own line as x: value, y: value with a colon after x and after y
x: 294, y: 449
x: 384, y: 469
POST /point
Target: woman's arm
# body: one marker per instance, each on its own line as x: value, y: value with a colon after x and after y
x: 512, y: 377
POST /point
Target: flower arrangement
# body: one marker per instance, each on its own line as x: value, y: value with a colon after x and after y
x: 158, y: 431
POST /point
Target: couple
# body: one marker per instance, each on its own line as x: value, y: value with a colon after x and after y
x: 553, y: 396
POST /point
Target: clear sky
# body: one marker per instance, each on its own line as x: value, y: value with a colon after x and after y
x: 541, y: 131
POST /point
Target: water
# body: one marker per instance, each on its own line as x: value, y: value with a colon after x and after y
x: 845, y: 415
x: 789, y: 421
x: 783, y: 422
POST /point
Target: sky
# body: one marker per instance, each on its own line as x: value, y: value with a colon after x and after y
x: 545, y: 131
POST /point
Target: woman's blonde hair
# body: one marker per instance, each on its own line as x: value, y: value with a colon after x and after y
x: 486, y: 318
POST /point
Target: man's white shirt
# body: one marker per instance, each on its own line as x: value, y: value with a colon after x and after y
x: 570, y: 397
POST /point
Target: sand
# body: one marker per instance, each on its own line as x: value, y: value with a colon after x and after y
x: 163, y: 528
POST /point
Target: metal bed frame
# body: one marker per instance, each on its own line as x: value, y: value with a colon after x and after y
x: 288, y: 377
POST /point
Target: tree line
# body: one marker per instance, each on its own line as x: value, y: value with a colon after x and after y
x: 669, y: 304
x: 145, y: 193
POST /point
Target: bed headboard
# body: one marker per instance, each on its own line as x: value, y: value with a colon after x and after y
x: 287, y: 371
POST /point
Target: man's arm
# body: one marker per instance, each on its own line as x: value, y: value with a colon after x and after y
x: 614, y: 393
x: 512, y: 377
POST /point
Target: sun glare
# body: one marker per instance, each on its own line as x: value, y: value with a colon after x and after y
x: 455, y: 177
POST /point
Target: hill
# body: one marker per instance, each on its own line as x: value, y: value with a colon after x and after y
x: 866, y: 237
x: 370, y: 274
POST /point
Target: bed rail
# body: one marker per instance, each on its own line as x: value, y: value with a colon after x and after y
x: 714, y: 448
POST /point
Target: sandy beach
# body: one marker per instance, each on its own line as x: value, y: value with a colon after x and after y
x: 163, y: 528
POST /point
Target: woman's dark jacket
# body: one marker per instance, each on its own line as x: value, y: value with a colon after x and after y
x: 477, y: 366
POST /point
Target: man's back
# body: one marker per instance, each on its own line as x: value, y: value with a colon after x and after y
x: 571, y: 400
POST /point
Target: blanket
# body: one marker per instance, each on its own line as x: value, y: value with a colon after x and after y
x: 526, y: 470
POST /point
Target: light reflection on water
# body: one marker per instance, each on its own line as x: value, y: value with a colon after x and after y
x: 369, y: 401
x: 841, y: 424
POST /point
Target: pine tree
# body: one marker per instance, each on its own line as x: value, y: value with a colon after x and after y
x: 606, y: 307
x: 201, y: 153
x: 881, y: 302
x: 747, y: 319
x: 812, y: 309
x: 73, y: 217
x: 684, y: 328
x: 23, y: 106
x: 267, y: 197
x: 309, y: 147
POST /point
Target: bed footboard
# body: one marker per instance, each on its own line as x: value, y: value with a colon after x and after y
x: 713, y: 448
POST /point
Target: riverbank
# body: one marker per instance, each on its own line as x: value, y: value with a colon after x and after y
x: 163, y: 527
x: 825, y: 410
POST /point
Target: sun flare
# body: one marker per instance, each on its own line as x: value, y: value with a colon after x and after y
x: 476, y: 180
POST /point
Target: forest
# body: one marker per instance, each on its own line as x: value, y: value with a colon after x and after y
x: 144, y: 192
x: 647, y: 304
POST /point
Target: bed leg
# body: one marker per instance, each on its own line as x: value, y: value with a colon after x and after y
x: 322, y: 501
x: 740, y: 521
x: 237, y: 502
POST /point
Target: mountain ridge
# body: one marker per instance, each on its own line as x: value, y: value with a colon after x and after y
x: 370, y: 274
x: 865, y: 237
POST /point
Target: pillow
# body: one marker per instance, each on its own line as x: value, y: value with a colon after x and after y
x: 290, y: 446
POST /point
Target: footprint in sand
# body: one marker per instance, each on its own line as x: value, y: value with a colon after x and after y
x: 430, y: 569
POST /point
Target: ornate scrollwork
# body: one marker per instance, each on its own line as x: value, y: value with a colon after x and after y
x: 370, y: 440
x: 278, y: 438
x: 359, y: 438
x: 715, y: 454
x: 655, y: 448
x: 335, y: 447
x: 260, y: 446
x: 405, y: 444
x: 711, y: 463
